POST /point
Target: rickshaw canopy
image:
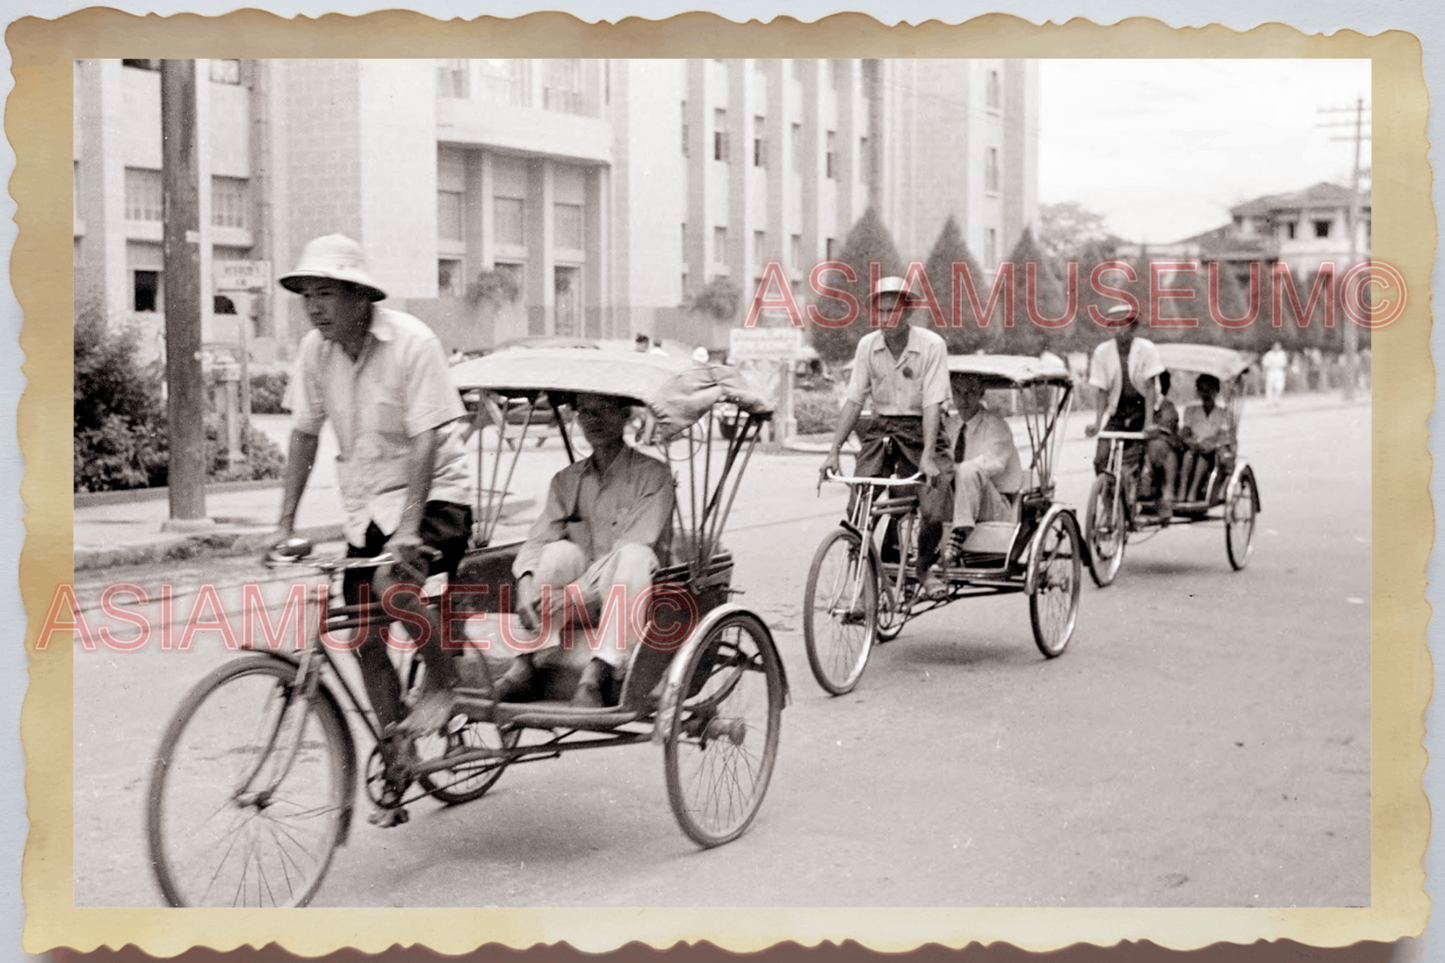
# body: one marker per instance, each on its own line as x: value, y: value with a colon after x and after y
x: 678, y: 392
x: 1009, y: 370
x: 1226, y: 364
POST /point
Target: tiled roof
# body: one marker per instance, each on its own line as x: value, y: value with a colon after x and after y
x: 1323, y: 194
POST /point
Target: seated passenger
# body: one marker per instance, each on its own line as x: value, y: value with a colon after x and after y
x: 1205, y: 436
x: 986, y: 461
x: 606, y: 525
x: 1161, y: 452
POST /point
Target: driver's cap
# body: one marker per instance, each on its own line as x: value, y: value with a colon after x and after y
x: 1121, y: 312
x: 890, y: 285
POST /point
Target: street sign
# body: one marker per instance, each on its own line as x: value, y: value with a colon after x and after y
x: 241, y: 275
x: 765, y: 344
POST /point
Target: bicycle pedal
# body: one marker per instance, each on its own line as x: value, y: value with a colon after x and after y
x: 457, y: 723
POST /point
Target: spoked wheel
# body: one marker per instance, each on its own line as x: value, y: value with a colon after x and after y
x: 723, y: 736
x: 840, y: 611
x: 251, y: 790
x: 1105, y: 530
x: 1054, y: 602
x: 470, y: 780
x: 1239, y: 522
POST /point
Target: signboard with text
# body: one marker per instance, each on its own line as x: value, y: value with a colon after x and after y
x: 241, y: 275
x: 764, y: 344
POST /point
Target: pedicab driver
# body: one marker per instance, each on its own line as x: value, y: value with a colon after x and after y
x: 607, y: 522
x: 987, y: 461
x: 904, y: 368
x: 1123, y: 369
x: 381, y: 378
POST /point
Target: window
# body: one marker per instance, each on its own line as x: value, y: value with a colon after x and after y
x: 720, y: 245
x: 864, y: 161
x: 995, y: 93
x: 220, y: 304
x: 142, y: 195
x: 759, y: 159
x: 760, y: 243
x: 831, y: 161
x: 449, y: 215
x: 1289, y: 230
x: 142, y: 64
x: 452, y: 79
x: 504, y: 81
x: 225, y: 71
x: 684, y: 241
x: 797, y: 145
x: 508, y: 224
x: 449, y: 278
x: 567, y: 226
x: 512, y: 272
x: 829, y: 248
x: 1322, y: 228
x: 562, y: 86
x: 684, y: 129
x: 229, y: 197
x: 795, y: 252
x: 990, y: 250
x: 720, y: 135
x: 147, y: 291
x: 990, y: 171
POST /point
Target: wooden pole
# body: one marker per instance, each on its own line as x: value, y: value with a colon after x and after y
x: 186, y: 402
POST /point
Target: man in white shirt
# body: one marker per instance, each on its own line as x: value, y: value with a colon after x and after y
x: 1123, y: 369
x: 987, y: 461
x: 1275, y: 362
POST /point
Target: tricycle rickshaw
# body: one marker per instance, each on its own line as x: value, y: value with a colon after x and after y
x: 253, y: 786
x: 856, y: 597
x: 1226, y: 491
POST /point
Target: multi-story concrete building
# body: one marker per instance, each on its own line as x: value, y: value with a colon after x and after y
x: 588, y: 198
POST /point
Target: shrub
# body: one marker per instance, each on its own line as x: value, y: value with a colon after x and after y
x: 263, y: 458
x: 815, y: 411
x: 268, y: 393
x: 119, y: 430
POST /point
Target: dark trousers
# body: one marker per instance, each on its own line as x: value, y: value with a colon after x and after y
x: 1129, y: 416
x: 445, y: 527
x: 893, y: 445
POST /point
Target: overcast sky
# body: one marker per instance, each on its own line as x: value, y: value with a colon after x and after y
x: 1163, y: 148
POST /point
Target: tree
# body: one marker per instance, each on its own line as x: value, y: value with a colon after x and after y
x: 1069, y: 231
x: 949, y: 250
x: 867, y: 243
x: 718, y: 299
x: 1026, y: 337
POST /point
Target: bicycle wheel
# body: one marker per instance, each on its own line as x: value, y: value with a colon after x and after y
x: 251, y: 790
x: 1105, y: 530
x: 1054, y: 602
x: 468, y: 781
x: 1239, y: 522
x: 840, y: 611
x: 723, y: 737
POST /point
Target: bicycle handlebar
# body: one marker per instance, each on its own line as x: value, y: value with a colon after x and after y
x: 882, y: 482
x: 329, y: 565
x: 1123, y: 435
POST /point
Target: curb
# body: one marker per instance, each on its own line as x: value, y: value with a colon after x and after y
x: 179, y: 548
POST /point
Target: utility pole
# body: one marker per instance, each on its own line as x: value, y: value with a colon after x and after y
x: 1352, y: 220
x: 185, y: 389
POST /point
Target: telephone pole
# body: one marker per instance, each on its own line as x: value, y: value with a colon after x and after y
x: 185, y: 389
x: 1352, y: 220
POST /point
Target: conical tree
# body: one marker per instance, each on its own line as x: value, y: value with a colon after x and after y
x: 1026, y: 337
x: 867, y: 242
x: 949, y: 250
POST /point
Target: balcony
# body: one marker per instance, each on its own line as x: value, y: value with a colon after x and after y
x: 525, y: 130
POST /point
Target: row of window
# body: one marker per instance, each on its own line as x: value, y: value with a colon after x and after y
x: 230, y: 198
x: 721, y: 152
x: 510, y: 82
x: 509, y: 224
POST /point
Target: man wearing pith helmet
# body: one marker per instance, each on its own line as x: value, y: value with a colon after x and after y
x: 904, y: 369
x: 1123, y: 369
x: 380, y: 377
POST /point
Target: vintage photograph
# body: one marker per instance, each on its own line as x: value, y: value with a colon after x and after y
x: 932, y: 483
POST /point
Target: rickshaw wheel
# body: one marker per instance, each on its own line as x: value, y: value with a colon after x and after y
x: 1105, y: 530
x: 723, y: 738
x: 471, y: 780
x: 1054, y: 602
x: 840, y: 611
x: 1239, y: 522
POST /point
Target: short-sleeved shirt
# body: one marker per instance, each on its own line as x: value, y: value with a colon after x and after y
x: 1104, y: 373
x: 1206, y: 428
x: 905, y: 385
x: 397, y: 388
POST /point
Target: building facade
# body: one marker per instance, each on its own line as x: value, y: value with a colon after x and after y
x: 500, y: 199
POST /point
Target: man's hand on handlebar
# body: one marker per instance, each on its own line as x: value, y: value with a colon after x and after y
x: 286, y: 547
x: 1090, y: 431
x: 830, y: 464
x: 413, y: 559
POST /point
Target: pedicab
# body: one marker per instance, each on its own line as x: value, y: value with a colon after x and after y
x: 253, y: 787
x: 860, y: 593
x: 1225, y: 491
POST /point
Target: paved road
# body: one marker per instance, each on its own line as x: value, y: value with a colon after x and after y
x: 1203, y: 742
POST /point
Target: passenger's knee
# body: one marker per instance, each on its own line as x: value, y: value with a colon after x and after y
x: 636, y: 564
x: 560, y: 563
